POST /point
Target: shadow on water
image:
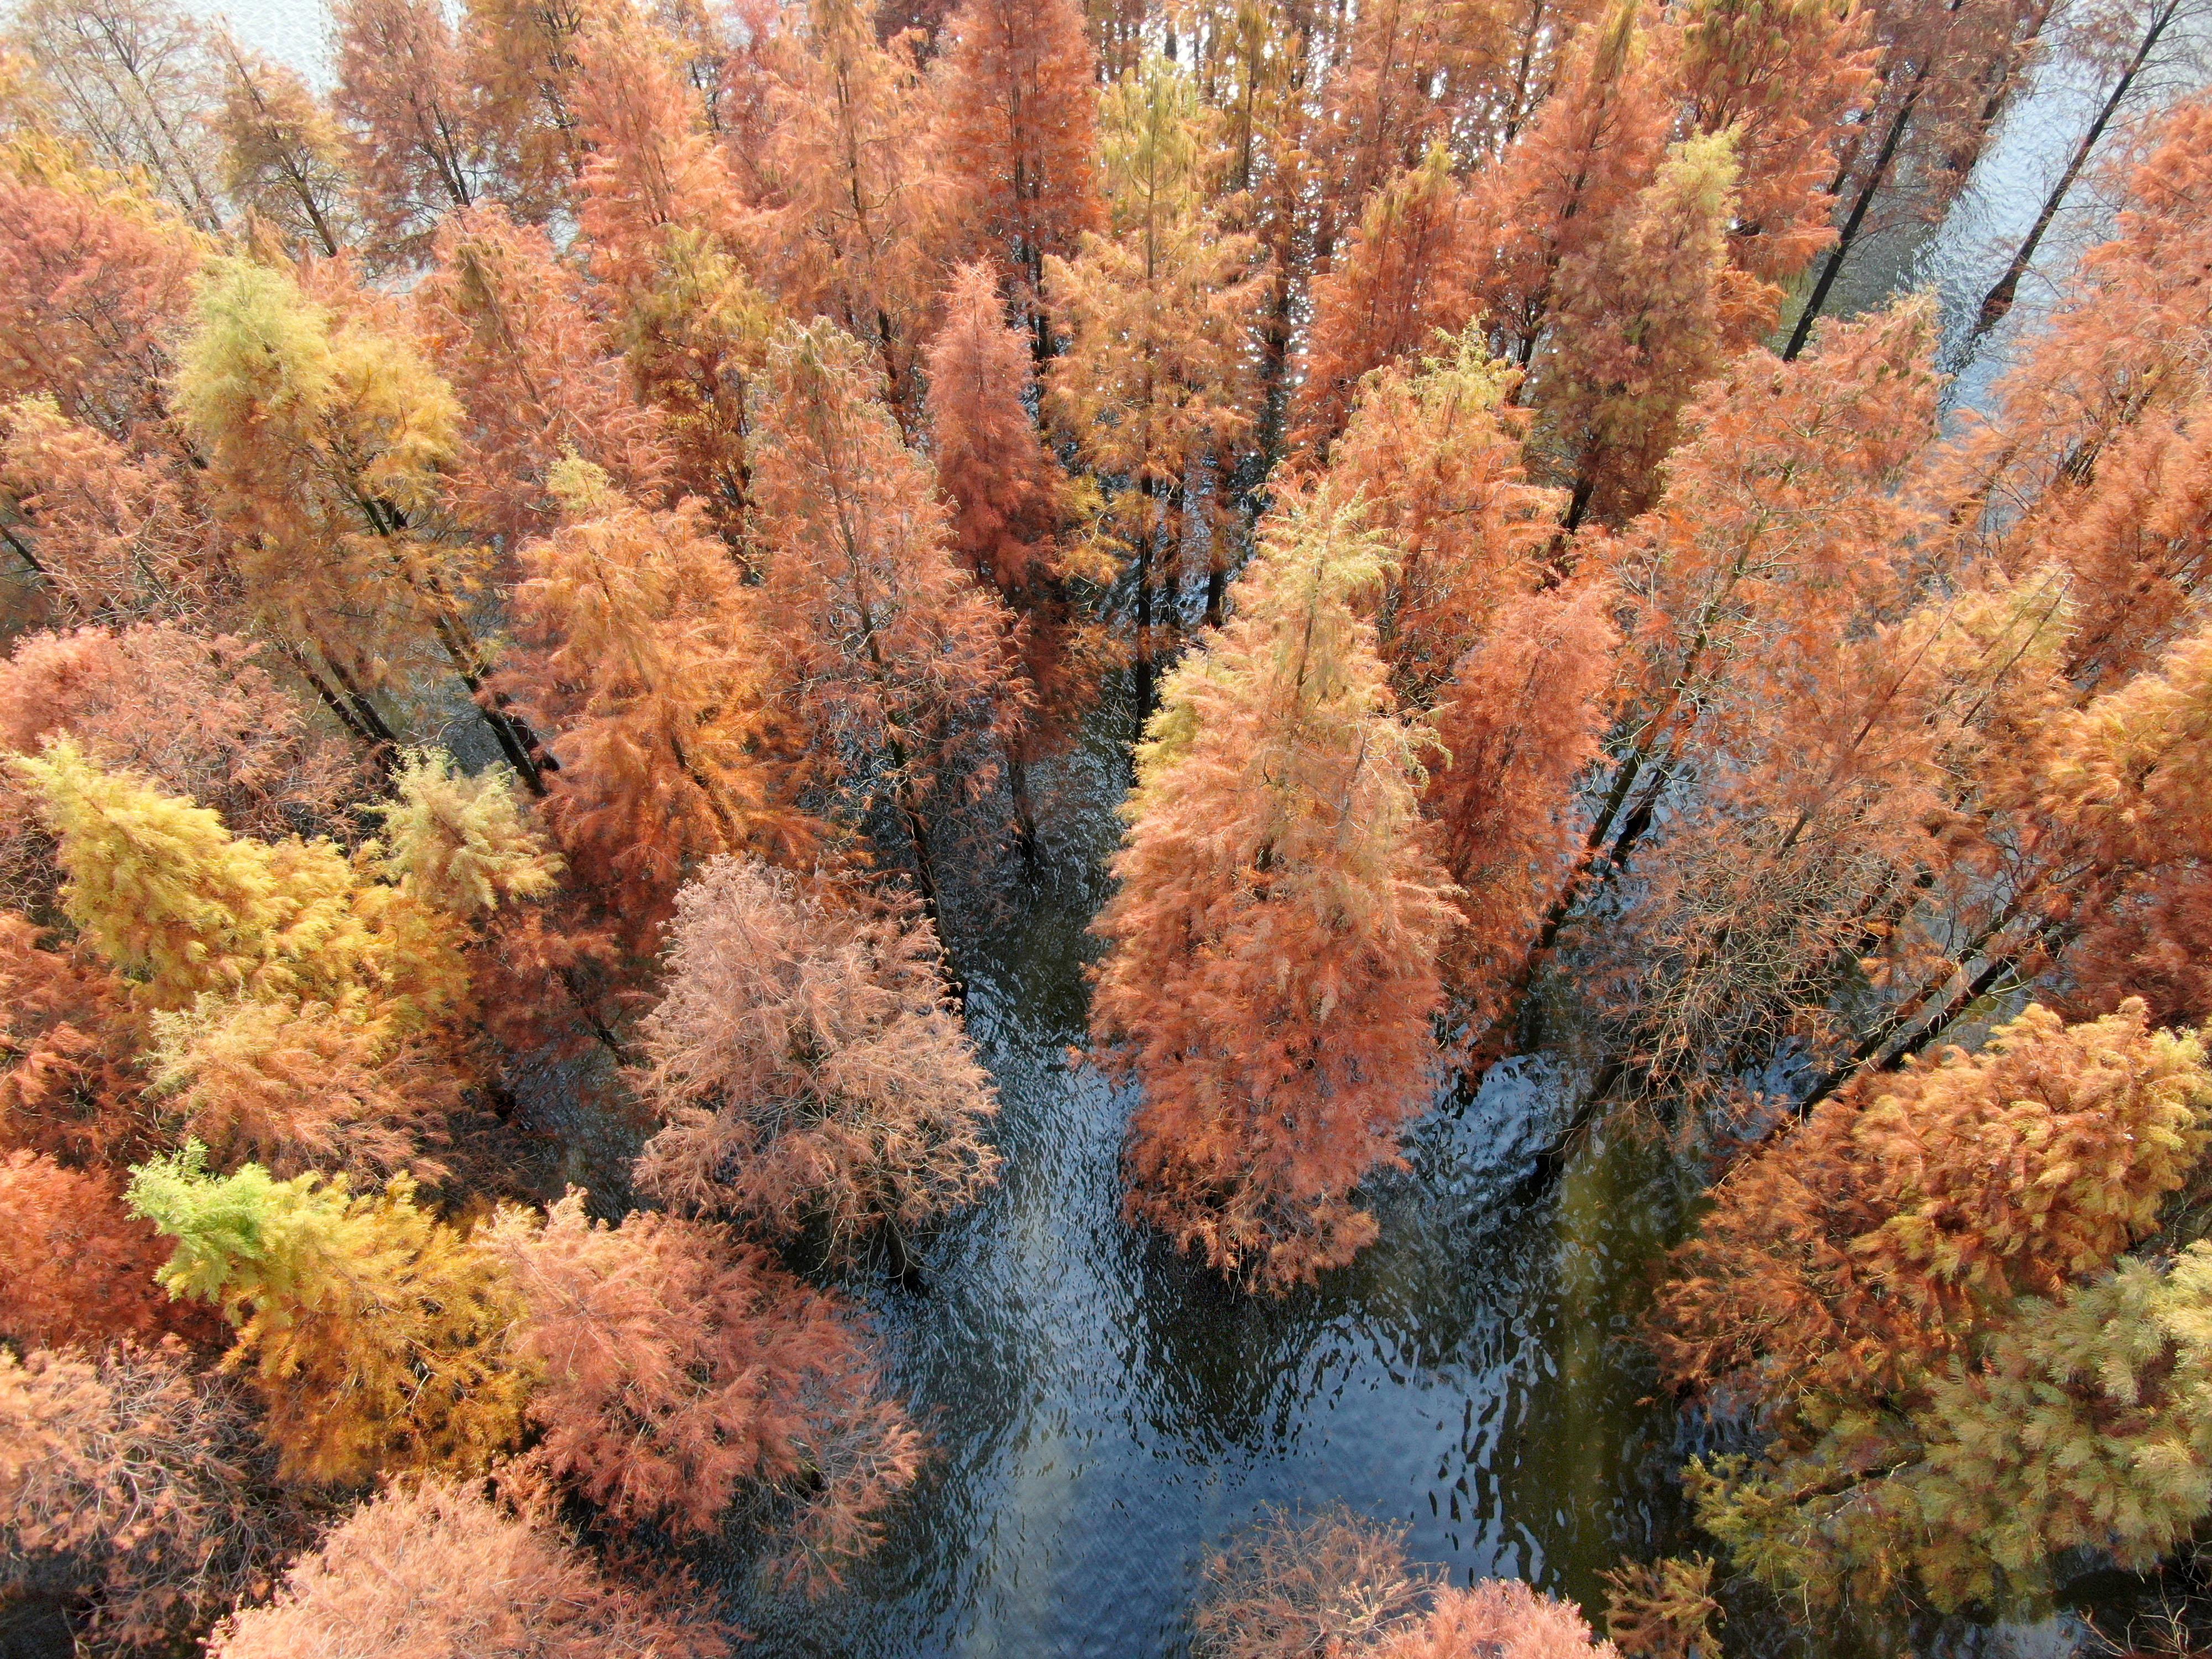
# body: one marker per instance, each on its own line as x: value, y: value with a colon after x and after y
x: 1106, y: 1413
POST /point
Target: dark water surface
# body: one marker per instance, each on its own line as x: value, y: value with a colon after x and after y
x: 1107, y: 1413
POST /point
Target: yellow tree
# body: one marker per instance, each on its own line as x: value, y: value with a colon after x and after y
x: 327, y: 440
x: 1271, y: 976
x: 1156, y: 387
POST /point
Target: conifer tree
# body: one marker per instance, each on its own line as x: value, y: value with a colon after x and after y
x: 894, y: 663
x: 524, y: 58
x: 414, y: 146
x: 1861, y: 1277
x: 1521, y: 717
x: 72, y: 1087
x: 135, y: 1488
x: 1435, y: 450
x: 282, y: 156
x: 1012, y: 516
x: 171, y: 898
x: 1392, y: 288
x: 1019, y: 137
x: 510, y: 328
x: 642, y: 660
x: 1555, y: 195
x: 376, y: 1335
x: 96, y: 284
x: 810, y: 1065
x: 440, y: 1567
x: 111, y: 538
x: 76, y: 1269
x: 681, y: 1373
x: 1383, y: 108
x: 1155, y: 387
x: 1641, y: 322
x: 1790, y: 81
x: 858, y: 222
x: 326, y: 439
x: 134, y: 85
x: 1273, y: 971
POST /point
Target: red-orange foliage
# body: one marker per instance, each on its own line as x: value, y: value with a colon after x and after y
x: 506, y: 322
x: 1019, y: 132
x: 859, y: 218
x: 1641, y: 318
x: 642, y: 663
x: 128, y: 1484
x: 1858, y: 1253
x: 75, y: 1266
x: 1438, y: 455
x: 1382, y: 105
x: 1401, y: 279
x: 1788, y: 80
x: 1009, y: 497
x: 94, y: 289
x: 112, y: 535
x: 1520, y: 719
x: 1273, y: 973
x: 810, y: 1065
x: 894, y: 662
x: 652, y: 168
x: 679, y: 1372
x: 1500, y: 1615
x: 70, y: 1037
x: 1554, y: 196
x: 1337, y: 1587
x: 196, y: 715
x: 409, y: 115
x: 439, y: 1569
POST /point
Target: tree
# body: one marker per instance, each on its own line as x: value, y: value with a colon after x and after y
x: 297, y: 1085
x: 1788, y: 81
x: 1333, y: 1583
x: 1402, y: 281
x: 1338, y: 1584
x: 858, y: 221
x: 652, y: 168
x: 1641, y: 321
x: 96, y: 285
x: 440, y: 1568
x: 1521, y: 718
x: 1554, y: 197
x: 1019, y: 134
x: 76, y: 1267
x: 376, y: 1336
x: 642, y: 659
x: 136, y: 1487
x: 1012, y: 516
x: 415, y: 147
x: 1864, y: 1278
x: 196, y: 715
x: 1383, y: 105
x: 2126, y: 40
x: 1437, y: 450
x: 457, y: 843
x: 1271, y: 976
x: 326, y: 439
x: 172, y: 899
x: 895, y: 663
x: 1155, y: 387
x: 1943, y: 76
x: 523, y: 61
x: 282, y: 156
x: 810, y: 1065
x: 511, y: 329
x: 111, y: 538
x: 136, y: 86
x: 72, y: 1035
x: 682, y: 1371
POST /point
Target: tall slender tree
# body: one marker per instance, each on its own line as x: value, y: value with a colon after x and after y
x: 1272, y: 972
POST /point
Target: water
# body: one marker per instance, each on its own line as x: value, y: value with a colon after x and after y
x: 1106, y: 1413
